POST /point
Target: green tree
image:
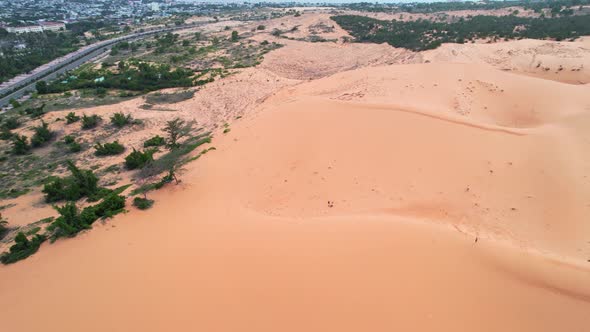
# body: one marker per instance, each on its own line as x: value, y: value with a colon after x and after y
x: 41, y: 87
x: 42, y: 135
x: 14, y: 103
x: 234, y: 36
x: 176, y: 129
x: 20, y: 145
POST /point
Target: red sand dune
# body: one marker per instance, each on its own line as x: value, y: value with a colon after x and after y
x: 248, y: 242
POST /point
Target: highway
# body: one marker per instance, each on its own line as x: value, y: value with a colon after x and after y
x: 26, y: 83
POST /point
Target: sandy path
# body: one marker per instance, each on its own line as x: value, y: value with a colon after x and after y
x: 248, y: 243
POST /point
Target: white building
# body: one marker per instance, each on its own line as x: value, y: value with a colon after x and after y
x: 45, y: 26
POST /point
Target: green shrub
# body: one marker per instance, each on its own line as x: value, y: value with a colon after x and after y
x: 261, y: 27
x: 89, y: 122
x: 71, y: 118
x: 42, y: 135
x: 10, y: 123
x: 6, y: 134
x: 3, y: 227
x: 108, y: 149
x: 80, y: 184
x: 20, y: 145
x: 14, y: 103
x: 35, y: 112
x: 75, y: 147
x: 138, y: 159
x: 143, y: 203
x: 23, y: 248
x: 71, y: 143
x: 69, y: 139
x: 120, y: 120
x: 154, y: 141
x: 111, y: 205
x: 71, y: 221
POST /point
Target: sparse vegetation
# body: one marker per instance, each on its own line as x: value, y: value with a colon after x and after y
x: 143, y: 203
x: 35, y: 112
x: 423, y: 34
x: 10, y: 123
x: 169, y: 98
x: 89, y: 122
x: 120, y: 119
x: 71, y: 221
x: 108, y: 149
x: 82, y: 183
x: 154, y: 142
x: 20, y: 145
x: 42, y: 135
x: 3, y: 227
x: 71, y: 118
x: 138, y: 159
x: 22, y: 248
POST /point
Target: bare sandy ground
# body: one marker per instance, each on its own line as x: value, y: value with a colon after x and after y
x: 560, y: 61
x: 459, y: 203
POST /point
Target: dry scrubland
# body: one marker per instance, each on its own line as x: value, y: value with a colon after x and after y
x: 361, y: 187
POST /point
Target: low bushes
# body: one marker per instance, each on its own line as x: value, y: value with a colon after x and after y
x: 71, y: 221
x: 143, y: 203
x: 3, y: 227
x: 35, y: 112
x: 120, y: 120
x: 71, y: 118
x: 169, y: 98
x: 89, y: 122
x: 23, y: 248
x: 20, y: 145
x: 154, y: 141
x: 138, y: 159
x: 108, y: 149
x: 80, y: 184
x: 10, y: 123
x: 42, y: 135
x: 71, y: 143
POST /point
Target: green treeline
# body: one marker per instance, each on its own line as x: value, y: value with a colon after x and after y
x: 38, y: 49
x: 136, y: 76
x: 424, y: 7
x: 422, y: 34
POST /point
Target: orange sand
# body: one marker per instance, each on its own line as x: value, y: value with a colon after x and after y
x: 460, y: 204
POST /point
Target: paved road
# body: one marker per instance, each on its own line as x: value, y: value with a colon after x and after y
x: 70, y: 62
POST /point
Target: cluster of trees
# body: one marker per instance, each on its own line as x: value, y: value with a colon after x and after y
x: 433, y: 7
x: 81, y: 183
x: 71, y: 220
x: 39, y: 48
x: 20, y: 143
x: 422, y: 34
x: 139, y: 76
x: 22, y: 248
